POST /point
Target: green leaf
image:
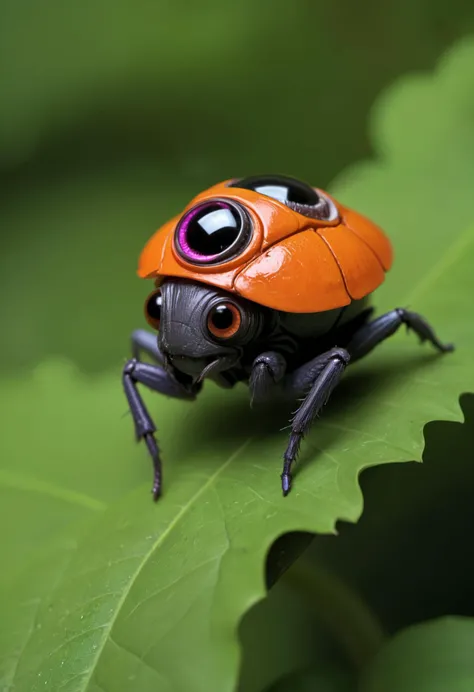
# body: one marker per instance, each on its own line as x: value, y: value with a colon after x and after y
x: 279, y: 636
x: 20, y: 615
x: 152, y: 595
x: 430, y: 657
x: 149, y: 580
x: 303, y: 624
x: 47, y: 481
x: 419, y: 185
x: 408, y: 536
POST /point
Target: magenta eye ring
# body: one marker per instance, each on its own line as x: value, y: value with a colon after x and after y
x: 213, y: 232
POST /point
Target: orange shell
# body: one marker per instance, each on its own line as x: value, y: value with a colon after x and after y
x: 293, y: 263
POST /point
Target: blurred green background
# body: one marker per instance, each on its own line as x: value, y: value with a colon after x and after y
x: 114, y: 113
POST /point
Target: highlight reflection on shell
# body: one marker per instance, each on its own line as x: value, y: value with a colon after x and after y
x: 291, y: 263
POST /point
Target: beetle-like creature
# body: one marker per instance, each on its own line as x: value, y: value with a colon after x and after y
x: 263, y: 280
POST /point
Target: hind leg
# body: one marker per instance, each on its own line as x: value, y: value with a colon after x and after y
x: 373, y: 333
x: 318, y: 378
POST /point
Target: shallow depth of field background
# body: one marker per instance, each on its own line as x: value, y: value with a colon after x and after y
x: 114, y: 113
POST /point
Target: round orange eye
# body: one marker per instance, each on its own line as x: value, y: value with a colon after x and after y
x: 224, y: 320
x: 153, y: 309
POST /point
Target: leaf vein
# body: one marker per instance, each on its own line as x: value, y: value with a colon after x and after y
x: 363, y: 433
x: 165, y: 588
x: 155, y: 545
x: 139, y: 658
x: 35, y: 622
x: 79, y: 635
x: 20, y: 482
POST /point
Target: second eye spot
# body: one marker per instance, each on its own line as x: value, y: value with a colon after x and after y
x: 224, y: 320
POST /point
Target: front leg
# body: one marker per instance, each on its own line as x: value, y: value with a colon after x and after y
x: 157, y: 379
x: 321, y: 374
x: 146, y: 342
x: 315, y: 379
x: 268, y: 369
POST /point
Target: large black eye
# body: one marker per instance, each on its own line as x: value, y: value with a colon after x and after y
x: 280, y: 187
x: 294, y: 193
x: 153, y: 309
x: 213, y: 232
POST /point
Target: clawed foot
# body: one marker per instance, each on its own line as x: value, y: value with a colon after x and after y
x: 155, y: 455
x: 156, y: 490
x: 285, y: 483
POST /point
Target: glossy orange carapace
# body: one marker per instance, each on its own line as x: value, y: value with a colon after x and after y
x: 289, y: 260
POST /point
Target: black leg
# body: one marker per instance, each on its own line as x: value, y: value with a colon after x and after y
x: 371, y: 334
x: 329, y: 368
x: 269, y: 380
x: 267, y: 370
x: 157, y: 379
x: 300, y: 380
x: 146, y: 342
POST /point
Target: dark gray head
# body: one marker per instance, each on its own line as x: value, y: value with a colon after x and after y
x: 203, y: 330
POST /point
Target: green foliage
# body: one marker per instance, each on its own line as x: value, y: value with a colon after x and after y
x: 431, y: 657
x: 223, y: 510
x: 56, y: 475
x: 418, y: 187
x: 115, y: 113
x: 187, y: 84
x: 105, y: 590
x: 408, y: 557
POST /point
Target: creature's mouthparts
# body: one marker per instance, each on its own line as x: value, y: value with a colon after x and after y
x: 216, y: 366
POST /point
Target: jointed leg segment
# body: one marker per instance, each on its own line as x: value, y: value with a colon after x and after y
x: 267, y: 370
x: 146, y: 342
x: 331, y: 366
x: 157, y: 379
x: 373, y: 333
x: 315, y: 380
x: 322, y: 374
